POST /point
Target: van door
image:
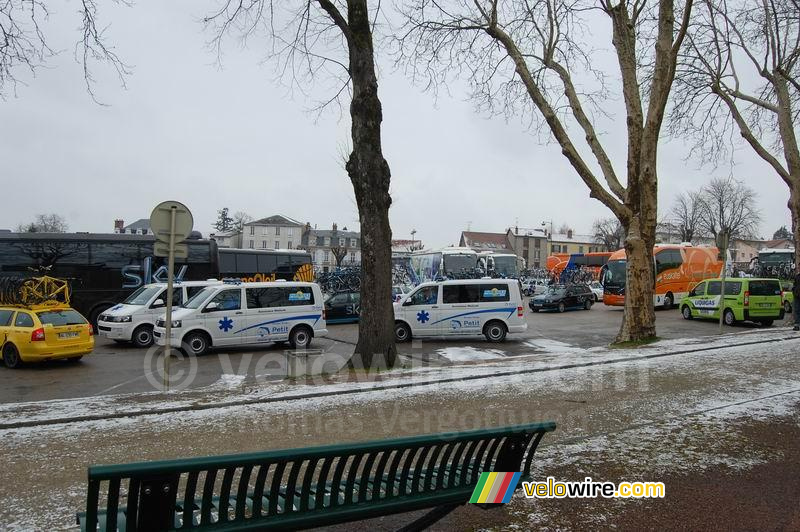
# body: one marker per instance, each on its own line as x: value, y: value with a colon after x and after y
x: 274, y: 310
x: 223, y: 317
x: 765, y: 298
x: 421, y: 311
x: 460, y: 303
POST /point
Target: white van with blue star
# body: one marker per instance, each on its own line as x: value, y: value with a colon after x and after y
x: 469, y: 307
x: 238, y: 314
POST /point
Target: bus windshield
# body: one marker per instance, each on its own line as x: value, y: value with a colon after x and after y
x: 615, y: 273
x: 775, y: 258
x: 457, y: 263
x: 506, y: 266
x: 199, y: 298
x: 143, y: 295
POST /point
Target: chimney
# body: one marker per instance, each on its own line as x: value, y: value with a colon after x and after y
x: 119, y: 225
x: 334, y: 227
x: 569, y: 234
x: 516, y: 229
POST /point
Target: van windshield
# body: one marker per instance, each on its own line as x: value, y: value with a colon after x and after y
x: 199, y: 298
x: 143, y: 295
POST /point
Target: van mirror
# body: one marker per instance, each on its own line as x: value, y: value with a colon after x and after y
x: 211, y: 307
x: 158, y: 303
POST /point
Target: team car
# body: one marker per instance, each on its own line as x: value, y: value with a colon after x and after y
x: 563, y: 297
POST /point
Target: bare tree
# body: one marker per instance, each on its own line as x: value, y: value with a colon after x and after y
x: 522, y: 55
x: 609, y: 232
x: 564, y: 228
x: 24, y: 46
x: 741, y: 77
x: 728, y: 207
x: 45, y: 223
x: 239, y: 219
x: 339, y: 254
x: 685, y: 215
x: 333, y: 39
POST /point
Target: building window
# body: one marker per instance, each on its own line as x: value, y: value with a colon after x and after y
x: 341, y: 242
x: 251, y: 244
x: 290, y: 245
x: 580, y: 249
x: 252, y: 229
x: 290, y: 232
x: 327, y: 256
x: 277, y: 245
x: 264, y: 230
x: 352, y: 256
x: 352, y: 242
x: 537, y: 243
x: 277, y: 230
x: 553, y: 249
x: 264, y: 244
x: 327, y: 242
x: 536, y: 254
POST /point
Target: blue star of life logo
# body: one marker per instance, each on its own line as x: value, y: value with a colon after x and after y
x: 423, y: 316
x: 226, y: 324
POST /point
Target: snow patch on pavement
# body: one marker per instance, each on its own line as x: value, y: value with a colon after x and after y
x: 469, y: 353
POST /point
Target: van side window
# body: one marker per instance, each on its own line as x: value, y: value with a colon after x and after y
x: 23, y: 320
x: 298, y: 295
x: 733, y: 288
x: 228, y: 300
x: 460, y: 293
x: 494, y: 292
x: 279, y: 297
x: 714, y: 288
x: 428, y: 295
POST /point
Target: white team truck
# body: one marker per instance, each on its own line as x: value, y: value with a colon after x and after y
x: 236, y: 313
x: 472, y: 307
x: 133, y: 319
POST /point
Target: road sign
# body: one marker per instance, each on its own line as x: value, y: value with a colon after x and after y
x: 171, y: 222
x: 161, y: 249
x: 161, y: 220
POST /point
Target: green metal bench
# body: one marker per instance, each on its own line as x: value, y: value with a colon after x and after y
x: 304, y: 488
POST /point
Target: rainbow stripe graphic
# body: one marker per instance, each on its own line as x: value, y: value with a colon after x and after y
x: 495, y: 488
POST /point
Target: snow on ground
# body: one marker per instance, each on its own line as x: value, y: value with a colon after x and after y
x: 230, y: 386
x: 469, y: 353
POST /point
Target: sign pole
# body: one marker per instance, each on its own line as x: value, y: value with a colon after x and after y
x: 724, y: 241
x: 170, y: 276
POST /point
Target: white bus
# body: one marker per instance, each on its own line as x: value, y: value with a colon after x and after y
x: 446, y: 263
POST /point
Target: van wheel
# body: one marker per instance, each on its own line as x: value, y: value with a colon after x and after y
x: 402, y: 332
x: 300, y: 337
x: 588, y: 304
x: 562, y: 307
x: 196, y: 343
x: 669, y: 300
x: 143, y: 336
x: 495, y: 331
x: 11, y: 357
x: 728, y: 317
x: 687, y: 312
x: 767, y: 323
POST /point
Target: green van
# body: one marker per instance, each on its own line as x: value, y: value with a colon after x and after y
x: 746, y: 299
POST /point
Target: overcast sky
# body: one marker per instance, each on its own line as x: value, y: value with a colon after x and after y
x: 185, y: 129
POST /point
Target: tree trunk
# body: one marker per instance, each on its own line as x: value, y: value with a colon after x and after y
x: 794, y: 209
x: 369, y: 173
x: 639, y: 320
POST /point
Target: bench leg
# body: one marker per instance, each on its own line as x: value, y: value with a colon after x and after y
x: 429, y: 518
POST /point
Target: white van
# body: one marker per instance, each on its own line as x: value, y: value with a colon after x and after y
x: 491, y: 307
x: 133, y: 319
x: 236, y: 313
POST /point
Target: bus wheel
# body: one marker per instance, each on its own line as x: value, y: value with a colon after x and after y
x: 669, y: 300
x: 687, y: 312
x: 143, y: 336
x: 728, y: 317
x: 300, y: 337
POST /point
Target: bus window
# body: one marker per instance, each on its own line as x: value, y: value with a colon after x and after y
x: 267, y: 263
x: 227, y: 263
x: 669, y: 259
x: 283, y: 269
x: 246, y: 263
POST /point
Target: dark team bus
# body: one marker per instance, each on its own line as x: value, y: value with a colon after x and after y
x: 103, y: 269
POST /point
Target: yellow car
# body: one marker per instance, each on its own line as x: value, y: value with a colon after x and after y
x: 43, y: 332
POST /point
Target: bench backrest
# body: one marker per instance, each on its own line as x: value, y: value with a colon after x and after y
x: 297, y: 487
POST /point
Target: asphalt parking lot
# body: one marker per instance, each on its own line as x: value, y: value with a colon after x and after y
x: 114, y: 368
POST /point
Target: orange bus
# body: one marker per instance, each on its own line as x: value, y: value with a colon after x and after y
x: 593, y: 262
x: 679, y: 267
